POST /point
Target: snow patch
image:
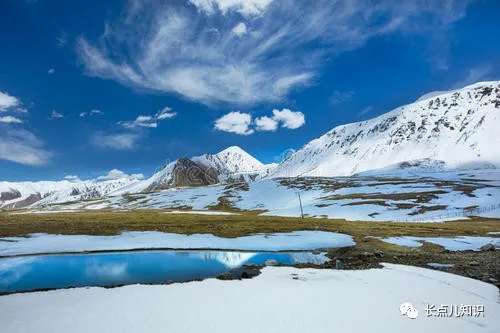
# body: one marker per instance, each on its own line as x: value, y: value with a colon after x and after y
x: 459, y: 243
x: 290, y: 241
x: 281, y: 299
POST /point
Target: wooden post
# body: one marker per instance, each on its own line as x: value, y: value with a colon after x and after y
x: 300, y: 203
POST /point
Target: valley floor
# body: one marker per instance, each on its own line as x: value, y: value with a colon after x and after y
x: 375, y: 242
x: 379, y: 228
x: 396, y: 196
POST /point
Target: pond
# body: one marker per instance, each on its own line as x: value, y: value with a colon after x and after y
x: 110, y: 269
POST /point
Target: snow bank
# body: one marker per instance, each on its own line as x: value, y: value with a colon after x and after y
x: 460, y: 243
x: 439, y: 265
x: 297, y: 240
x: 200, y: 212
x: 280, y: 300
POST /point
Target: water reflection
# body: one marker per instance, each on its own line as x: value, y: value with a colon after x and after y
x: 112, y: 269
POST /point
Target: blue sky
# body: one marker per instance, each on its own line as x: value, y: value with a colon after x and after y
x: 89, y: 86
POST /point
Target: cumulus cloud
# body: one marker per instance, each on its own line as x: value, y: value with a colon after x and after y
x: 7, y: 101
x: 240, y: 29
x: 235, y: 122
x: 192, y: 50
x: 22, y: 146
x: 118, y: 174
x: 241, y: 123
x: 289, y: 119
x: 266, y: 124
x: 51, y: 71
x: 122, y: 141
x: 10, y: 120
x: 56, y: 115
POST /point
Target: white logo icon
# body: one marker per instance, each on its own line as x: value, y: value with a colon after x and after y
x: 408, y: 310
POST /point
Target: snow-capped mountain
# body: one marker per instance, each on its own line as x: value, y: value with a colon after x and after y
x: 86, y: 190
x: 23, y: 194
x: 231, y: 160
x: 232, y: 163
x: 20, y: 194
x: 441, y: 130
x: 454, y: 129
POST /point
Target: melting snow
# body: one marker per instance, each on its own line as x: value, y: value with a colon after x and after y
x: 297, y: 240
x: 460, y: 243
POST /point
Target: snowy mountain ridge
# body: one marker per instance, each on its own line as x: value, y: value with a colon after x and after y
x: 208, y: 169
x: 22, y: 194
x: 455, y: 129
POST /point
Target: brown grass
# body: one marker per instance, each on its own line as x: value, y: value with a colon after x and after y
x: 108, y: 222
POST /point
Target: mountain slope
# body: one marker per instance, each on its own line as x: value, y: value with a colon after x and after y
x: 87, y: 190
x: 230, y: 163
x: 455, y: 129
x: 23, y: 194
x: 231, y: 160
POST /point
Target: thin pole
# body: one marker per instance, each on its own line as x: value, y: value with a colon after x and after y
x: 300, y: 202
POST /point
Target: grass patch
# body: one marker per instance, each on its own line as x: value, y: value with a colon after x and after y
x: 418, y: 197
x: 246, y: 223
x: 367, y: 202
x: 425, y: 209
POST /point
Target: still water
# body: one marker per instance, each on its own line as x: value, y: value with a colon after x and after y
x: 147, y: 267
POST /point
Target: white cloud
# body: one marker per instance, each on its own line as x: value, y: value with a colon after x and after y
x: 165, y: 113
x: 241, y: 123
x: 286, y: 83
x: 124, y: 141
x: 91, y: 113
x: 240, y: 29
x: 284, y: 155
x: 235, y: 122
x: 149, y: 121
x: 72, y: 178
x: 340, y: 97
x: 191, y: 51
x: 11, y: 120
x: 244, y: 7
x: 21, y: 146
x: 140, y: 121
x: 365, y: 111
x: 7, y: 101
x: 56, y: 115
x: 266, y: 124
x: 118, y: 174
x: 475, y: 74
x: 62, y: 39
x: 51, y: 71
x: 289, y: 119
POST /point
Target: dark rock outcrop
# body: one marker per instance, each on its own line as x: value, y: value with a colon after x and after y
x: 11, y: 195
x: 24, y: 203
x: 189, y: 173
